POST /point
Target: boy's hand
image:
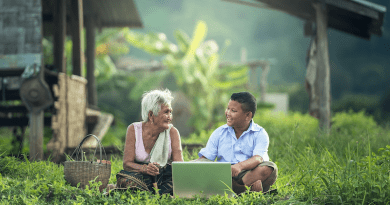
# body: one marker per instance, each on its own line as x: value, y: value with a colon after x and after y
x: 236, y: 169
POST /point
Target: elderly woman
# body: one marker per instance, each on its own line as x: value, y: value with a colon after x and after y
x: 151, y: 146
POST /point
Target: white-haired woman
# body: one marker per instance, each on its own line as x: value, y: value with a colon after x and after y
x: 151, y: 146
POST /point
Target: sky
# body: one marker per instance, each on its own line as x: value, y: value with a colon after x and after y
x: 265, y: 34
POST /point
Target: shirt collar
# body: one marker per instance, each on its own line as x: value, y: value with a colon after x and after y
x: 252, y: 126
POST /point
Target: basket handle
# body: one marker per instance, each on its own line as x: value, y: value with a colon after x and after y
x: 78, y: 150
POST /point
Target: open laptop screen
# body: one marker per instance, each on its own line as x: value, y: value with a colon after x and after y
x: 201, y: 178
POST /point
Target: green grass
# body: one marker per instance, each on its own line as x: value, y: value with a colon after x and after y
x: 351, y: 165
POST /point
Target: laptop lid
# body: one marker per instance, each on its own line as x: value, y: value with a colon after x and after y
x: 201, y: 178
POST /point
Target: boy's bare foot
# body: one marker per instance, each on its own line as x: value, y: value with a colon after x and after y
x: 238, y: 188
x: 257, y: 186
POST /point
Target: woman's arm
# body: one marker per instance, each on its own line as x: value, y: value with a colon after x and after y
x: 129, y: 156
x: 177, y: 154
x: 129, y: 152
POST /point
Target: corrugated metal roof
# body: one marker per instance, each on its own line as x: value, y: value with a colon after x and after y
x: 358, y: 17
x: 106, y: 13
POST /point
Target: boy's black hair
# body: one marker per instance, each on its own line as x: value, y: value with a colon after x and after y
x: 247, y: 100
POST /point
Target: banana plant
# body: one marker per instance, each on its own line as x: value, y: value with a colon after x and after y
x: 195, y: 63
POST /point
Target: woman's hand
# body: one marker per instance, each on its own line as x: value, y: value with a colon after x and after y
x: 152, y: 169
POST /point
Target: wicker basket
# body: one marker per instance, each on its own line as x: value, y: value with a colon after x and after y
x: 84, y: 171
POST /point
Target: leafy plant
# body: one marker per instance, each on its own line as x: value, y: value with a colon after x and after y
x: 195, y: 65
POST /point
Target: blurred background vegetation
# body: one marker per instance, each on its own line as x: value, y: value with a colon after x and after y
x: 199, y: 66
x: 191, y: 65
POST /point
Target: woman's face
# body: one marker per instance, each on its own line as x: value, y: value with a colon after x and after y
x: 164, y: 117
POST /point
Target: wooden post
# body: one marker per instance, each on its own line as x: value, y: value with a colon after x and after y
x: 323, y: 72
x: 263, y: 81
x: 36, y: 136
x: 59, y: 35
x: 90, y: 54
x: 77, y: 38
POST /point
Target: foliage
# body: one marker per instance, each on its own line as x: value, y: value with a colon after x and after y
x: 349, y: 166
x: 10, y: 146
x: 373, y: 105
x: 118, y: 87
x: 109, y: 45
x: 47, y: 47
x: 370, y: 104
x: 195, y: 65
x: 116, y: 135
x: 355, y: 124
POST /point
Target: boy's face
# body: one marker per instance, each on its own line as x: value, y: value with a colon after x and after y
x: 235, y: 116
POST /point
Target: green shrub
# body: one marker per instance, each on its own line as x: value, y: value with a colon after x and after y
x: 370, y: 104
x: 355, y: 124
x: 348, y: 166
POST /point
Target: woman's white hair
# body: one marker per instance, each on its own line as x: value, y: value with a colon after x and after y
x: 152, y: 101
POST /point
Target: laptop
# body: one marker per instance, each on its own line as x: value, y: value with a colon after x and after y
x: 203, y: 179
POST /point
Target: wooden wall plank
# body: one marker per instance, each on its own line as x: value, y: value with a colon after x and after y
x: 77, y: 105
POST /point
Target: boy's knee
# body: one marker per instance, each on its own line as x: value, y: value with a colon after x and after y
x: 264, y: 171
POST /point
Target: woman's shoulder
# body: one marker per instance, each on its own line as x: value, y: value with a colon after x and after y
x: 171, y: 127
x: 173, y: 130
x: 133, y: 126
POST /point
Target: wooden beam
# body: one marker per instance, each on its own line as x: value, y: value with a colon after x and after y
x: 11, y: 72
x: 10, y: 95
x: 77, y: 38
x: 355, y: 8
x: 120, y: 24
x: 258, y: 5
x: 36, y: 136
x: 323, y: 73
x: 350, y: 26
x: 13, y: 109
x: 21, y: 121
x: 59, y: 35
x: 301, y: 10
x: 90, y: 54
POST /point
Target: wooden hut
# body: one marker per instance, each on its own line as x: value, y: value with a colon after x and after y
x: 34, y: 95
